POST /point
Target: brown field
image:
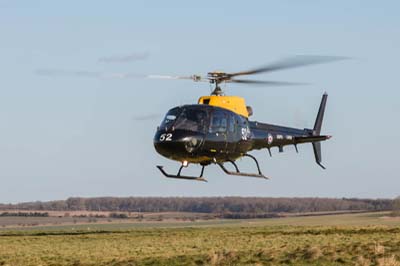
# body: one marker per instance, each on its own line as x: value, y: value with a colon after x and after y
x: 59, y: 218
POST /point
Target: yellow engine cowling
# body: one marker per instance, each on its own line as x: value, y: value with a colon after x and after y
x: 232, y: 103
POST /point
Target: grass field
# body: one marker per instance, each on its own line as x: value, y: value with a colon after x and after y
x: 347, y: 239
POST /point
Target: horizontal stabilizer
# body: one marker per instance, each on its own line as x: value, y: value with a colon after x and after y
x: 299, y: 140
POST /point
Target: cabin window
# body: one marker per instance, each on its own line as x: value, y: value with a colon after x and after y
x: 243, y: 122
x: 219, y: 122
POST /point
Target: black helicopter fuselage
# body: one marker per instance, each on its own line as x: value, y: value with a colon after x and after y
x: 217, y: 129
x: 207, y: 134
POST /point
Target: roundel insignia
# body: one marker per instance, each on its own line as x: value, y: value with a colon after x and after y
x: 270, y: 139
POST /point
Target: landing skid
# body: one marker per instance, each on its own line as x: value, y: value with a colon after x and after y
x: 179, y: 176
x: 221, y: 165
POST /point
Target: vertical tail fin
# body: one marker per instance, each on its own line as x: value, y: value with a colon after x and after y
x: 320, y: 115
x: 317, y: 130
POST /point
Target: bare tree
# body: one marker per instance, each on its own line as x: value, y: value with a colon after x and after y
x: 396, y: 207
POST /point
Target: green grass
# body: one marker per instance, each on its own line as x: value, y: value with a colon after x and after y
x: 358, y: 239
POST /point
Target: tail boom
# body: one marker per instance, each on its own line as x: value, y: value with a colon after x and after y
x: 268, y: 136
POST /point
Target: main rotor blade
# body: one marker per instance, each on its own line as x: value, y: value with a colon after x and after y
x: 168, y: 77
x: 193, y: 77
x: 265, y: 82
x: 102, y: 75
x: 291, y: 62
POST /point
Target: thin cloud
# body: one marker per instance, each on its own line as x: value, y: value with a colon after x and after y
x: 147, y: 117
x: 86, y: 74
x: 68, y: 73
x: 124, y: 58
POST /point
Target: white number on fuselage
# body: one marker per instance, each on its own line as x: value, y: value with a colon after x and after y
x: 166, y: 137
x: 245, y: 133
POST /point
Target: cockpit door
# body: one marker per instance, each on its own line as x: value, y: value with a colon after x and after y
x: 232, y: 134
x: 216, y: 140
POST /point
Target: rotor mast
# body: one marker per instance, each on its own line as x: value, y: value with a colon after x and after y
x: 217, y: 89
x: 217, y: 78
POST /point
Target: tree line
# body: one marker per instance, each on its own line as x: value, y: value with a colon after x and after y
x: 24, y: 214
x: 254, y: 205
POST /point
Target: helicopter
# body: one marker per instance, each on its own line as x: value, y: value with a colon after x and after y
x: 218, y: 130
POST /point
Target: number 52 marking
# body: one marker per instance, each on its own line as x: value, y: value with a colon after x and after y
x: 166, y: 137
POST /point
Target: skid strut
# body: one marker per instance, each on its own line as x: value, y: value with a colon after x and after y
x: 238, y: 173
x: 179, y: 176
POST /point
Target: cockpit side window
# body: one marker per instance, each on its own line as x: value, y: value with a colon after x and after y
x: 219, y: 122
x: 243, y: 122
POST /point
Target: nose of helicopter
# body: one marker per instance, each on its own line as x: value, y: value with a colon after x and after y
x: 177, y: 144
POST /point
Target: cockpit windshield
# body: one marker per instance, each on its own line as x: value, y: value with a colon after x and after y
x: 170, y: 117
x: 186, y: 118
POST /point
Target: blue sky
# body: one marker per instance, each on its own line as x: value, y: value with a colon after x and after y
x: 70, y: 136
